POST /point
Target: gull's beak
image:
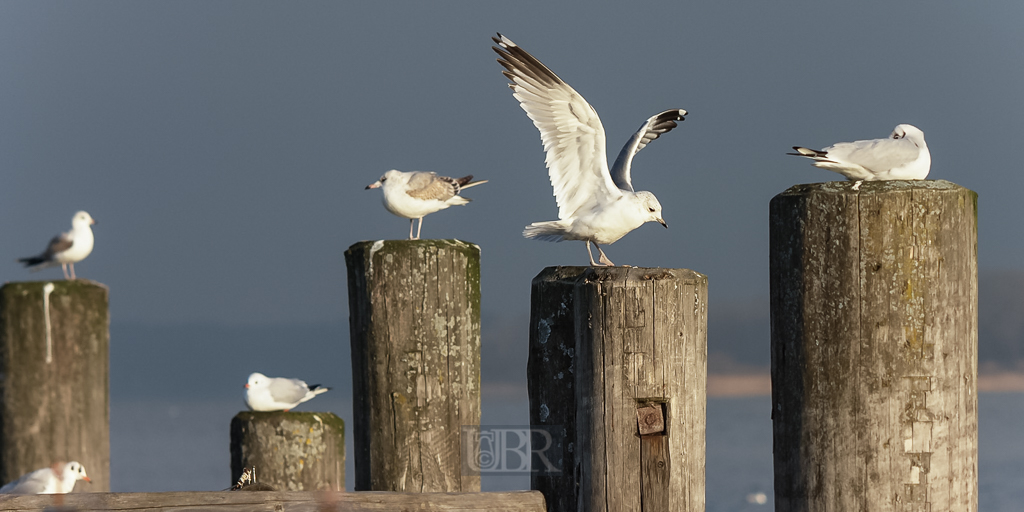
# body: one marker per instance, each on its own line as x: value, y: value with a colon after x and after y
x: 246, y: 385
x: 375, y: 184
x: 93, y: 221
x: 662, y: 221
x: 87, y: 479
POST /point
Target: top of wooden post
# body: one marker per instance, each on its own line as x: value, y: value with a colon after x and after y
x: 591, y: 274
x: 871, y: 187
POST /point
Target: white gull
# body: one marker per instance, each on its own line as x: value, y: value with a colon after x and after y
x: 264, y: 393
x: 595, y: 205
x: 58, y: 479
x: 66, y: 249
x: 902, y: 156
x: 415, y: 194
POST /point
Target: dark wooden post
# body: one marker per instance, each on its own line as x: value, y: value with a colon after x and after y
x: 292, y: 451
x: 414, y: 316
x: 636, y: 356
x: 54, y: 378
x: 551, y: 384
x: 874, y: 346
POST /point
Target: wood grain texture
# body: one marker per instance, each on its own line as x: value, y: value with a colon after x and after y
x: 874, y: 346
x: 56, y: 410
x: 639, y: 338
x: 518, y: 501
x: 291, y: 451
x: 415, y: 333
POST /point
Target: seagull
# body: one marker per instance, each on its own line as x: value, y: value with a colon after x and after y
x: 57, y: 479
x: 594, y: 205
x: 264, y: 393
x: 902, y: 156
x: 415, y: 194
x: 66, y: 249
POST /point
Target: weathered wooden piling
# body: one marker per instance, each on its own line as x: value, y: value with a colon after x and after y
x: 874, y: 346
x: 291, y: 451
x: 618, y: 360
x: 414, y: 309
x: 54, y: 378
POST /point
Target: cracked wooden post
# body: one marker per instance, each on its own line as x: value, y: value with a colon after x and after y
x: 54, y: 378
x: 292, y: 451
x: 874, y: 346
x: 414, y: 318
x: 618, y: 363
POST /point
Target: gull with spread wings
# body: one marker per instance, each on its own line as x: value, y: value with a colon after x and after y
x: 595, y: 205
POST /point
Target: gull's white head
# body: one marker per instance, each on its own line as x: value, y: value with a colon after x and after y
x: 389, y: 178
x: 909, y: 132
x: 651, y: 206
x: 82, y: 219
x: 74, y: 471
x: 256, y: 379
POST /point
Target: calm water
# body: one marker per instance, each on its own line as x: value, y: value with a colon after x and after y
x: 165, y: 446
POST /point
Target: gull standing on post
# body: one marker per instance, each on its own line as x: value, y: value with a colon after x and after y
x: 414, y: 195
x: 264, y: 393
x: 902, y: 156
x: 66, y: 249
x: 594, y: 205
x: 58, y: 479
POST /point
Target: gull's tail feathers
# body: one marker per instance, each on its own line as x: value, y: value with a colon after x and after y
x: 810, y: 153
x: 550, y: 231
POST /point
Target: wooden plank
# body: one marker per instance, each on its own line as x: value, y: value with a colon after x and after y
x: 518, y: 501
x: 415, y: 332
x: 54, y: 378
x: 874, y: 346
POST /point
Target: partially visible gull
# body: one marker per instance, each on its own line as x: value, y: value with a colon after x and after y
x: 902, y: 156
x: 595, y: 205
x: 66, y: 249
x: 415, y: 194
x: 58, y: 479
x: 264, y: 393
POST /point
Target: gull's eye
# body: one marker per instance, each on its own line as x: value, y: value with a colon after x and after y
x: 650, y: 210
x: 382, y: 180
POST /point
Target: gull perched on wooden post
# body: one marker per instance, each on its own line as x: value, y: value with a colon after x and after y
x: 595, y: 205
x: 264, y: 393
x: 415, y: 194
x: 66, y: 249
x: 902, y: 156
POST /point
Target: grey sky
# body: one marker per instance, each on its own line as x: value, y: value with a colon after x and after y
x: 224, y: 146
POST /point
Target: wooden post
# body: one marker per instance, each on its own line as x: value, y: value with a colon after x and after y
x: 54, y: 378
x: 551, y: 383
x: 292, y: 451
x: 414, y: 309
x: 636, y: 356
x: 874, y: 346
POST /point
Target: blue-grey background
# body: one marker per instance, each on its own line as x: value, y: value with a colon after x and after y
x: 224, y: 146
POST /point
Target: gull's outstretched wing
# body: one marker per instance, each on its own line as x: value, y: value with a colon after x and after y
x: 650, y: 130
x: 569, y: 127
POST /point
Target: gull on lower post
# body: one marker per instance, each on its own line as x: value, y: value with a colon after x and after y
x: 903, y: 155
x: 415, y: 195
x: 595, y: 205
x: 264, y: 393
